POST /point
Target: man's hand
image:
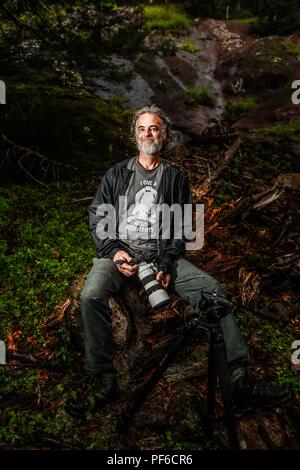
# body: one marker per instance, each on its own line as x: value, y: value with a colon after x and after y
x: 123, y: 266
x: 164, y: 280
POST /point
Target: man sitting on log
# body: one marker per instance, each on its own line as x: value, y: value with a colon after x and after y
x: 126, y: 235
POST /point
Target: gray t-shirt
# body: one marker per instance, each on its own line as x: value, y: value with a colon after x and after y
x: 140, y: 224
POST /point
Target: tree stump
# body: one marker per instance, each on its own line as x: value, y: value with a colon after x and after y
x: 141, y: 335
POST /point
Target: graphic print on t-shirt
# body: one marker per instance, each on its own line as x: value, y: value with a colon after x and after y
x: 141, y: 216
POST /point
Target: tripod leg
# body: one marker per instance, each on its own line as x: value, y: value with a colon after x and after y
x: 223, y: 374
x: 210, y: 415
x: 139, y: 398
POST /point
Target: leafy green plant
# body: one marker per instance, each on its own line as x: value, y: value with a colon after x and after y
x: 42, y: 254
x: 189, y: 46
x: 166, y: 18
x: 293, y: 48
x: 238, y: 108
x: 196, y: 96
x: 22, y: 427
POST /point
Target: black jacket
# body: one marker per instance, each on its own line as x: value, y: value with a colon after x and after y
x: 173, y: 187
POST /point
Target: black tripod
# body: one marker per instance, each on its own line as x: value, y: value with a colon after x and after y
x: 214, y: 309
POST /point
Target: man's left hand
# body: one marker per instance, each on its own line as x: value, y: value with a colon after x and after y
x: 164, y: 280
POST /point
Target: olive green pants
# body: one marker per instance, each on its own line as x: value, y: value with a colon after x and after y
x: 104, y: 280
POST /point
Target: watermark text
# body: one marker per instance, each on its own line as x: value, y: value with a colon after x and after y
x: 155, y: 221
x: 2, y: 92
x: 296, y: 94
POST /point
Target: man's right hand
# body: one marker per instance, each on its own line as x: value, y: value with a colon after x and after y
x: 123, y: 267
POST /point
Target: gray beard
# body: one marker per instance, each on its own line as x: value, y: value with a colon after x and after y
x: 150, y: 149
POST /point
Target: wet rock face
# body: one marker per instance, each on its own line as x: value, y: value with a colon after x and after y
x: 163, y: 78
x: 118, y: 79
x: 261, y: 66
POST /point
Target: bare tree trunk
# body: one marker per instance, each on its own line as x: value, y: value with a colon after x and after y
x: 227, y: 9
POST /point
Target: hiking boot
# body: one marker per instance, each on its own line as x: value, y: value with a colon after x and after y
x: 101, y: 390
x: 254, y: 392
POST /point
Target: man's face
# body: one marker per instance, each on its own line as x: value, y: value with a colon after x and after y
x: 150, y: 134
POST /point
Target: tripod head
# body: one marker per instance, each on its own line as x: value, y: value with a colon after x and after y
x: 212, y: 308
x: 211, y: 299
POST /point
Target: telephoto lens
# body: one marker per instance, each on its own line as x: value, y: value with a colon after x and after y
x: 158, y: 297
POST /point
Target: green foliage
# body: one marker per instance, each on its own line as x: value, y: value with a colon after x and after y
x: 276, y: 348
x: 285, y: 26
x: 109, y: 5
x: 293, y: 48
x: 279, y: 347
x: 80, y: 31
x: 100, y: 440
x: 173, y: 443
x: 48, y: 249
x: 189, y: 46
x: 5, y: 205
x: 117, y: 100
x: 199, y: 356
x: 166, y: 18
x: 125, y: 38
x: 281, y: 130
x: 38, y: 115
x: 199, y: 96
x: 17, y: 380
x: 167, y: 47
x: 247, y: 20
x: 238, y: 108
x: 267, y: 17
x: 22, y: 427
x: 45, y: 244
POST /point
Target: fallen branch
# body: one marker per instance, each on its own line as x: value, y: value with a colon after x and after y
x: 286, y: 225
x: 187, y: 370
x: 269, y: 196
x: 56, y: 317
x: 229, y: 154
x: 57, y: 443
x: 15, y: 157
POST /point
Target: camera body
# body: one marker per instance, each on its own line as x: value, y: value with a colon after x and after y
x: 158, y: 297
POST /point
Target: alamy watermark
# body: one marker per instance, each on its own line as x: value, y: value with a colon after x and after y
x: 146, y: 221
x: 296, y: 94
x: 296, y: 354
x: 2, y: 92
